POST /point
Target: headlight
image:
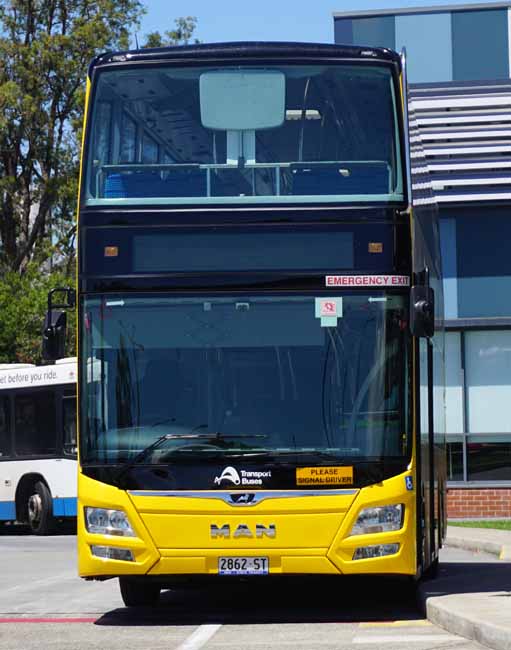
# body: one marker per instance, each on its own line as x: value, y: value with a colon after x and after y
x: 379, y: 520
x: 108, y: 522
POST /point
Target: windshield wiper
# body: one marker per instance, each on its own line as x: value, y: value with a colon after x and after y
x: 154, y: 445
x: 191, y: 435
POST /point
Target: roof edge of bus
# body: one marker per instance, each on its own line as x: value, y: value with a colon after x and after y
x: 21, y: 366
x: 245, y: 48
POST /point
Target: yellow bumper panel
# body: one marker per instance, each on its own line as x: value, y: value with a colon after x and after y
x: 185, y: 533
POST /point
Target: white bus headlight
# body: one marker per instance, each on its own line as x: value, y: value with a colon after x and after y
x: 379, y: 520
x: 108, y: 522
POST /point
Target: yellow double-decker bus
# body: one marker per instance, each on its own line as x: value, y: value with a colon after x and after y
x: 260, y: 319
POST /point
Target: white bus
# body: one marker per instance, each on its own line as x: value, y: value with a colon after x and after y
x: 38, y: 453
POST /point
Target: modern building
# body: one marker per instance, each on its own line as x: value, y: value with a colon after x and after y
x: 459, y: 68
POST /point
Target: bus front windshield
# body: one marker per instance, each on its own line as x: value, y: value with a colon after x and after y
x: 244, y: 134
x: 245, y: 374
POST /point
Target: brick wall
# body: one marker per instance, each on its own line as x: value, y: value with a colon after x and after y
x: 478, y: 502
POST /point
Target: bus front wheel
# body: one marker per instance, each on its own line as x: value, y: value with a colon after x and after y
x: 40, y: 509
x: 137, y: 594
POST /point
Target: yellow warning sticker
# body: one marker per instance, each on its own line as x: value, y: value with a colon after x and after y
x: 336, y: 475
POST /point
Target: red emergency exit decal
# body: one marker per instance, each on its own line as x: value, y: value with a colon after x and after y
x: 367, y: 281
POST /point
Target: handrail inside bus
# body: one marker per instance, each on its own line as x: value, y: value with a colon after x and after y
x: 102, y: 170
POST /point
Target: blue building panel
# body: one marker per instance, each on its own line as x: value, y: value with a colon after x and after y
x: 376, y: 31
x: 480, y: 45
x: 449, y: 265
x: 429, y: 59
x: 343, y: 31
x: 484, y: 272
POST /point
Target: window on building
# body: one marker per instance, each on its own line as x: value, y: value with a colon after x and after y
x: 489, y: 461
x: 453, y: 383
x: 484, y: 273
x: 488, y: 379
x: 455, y: 461
x: 480, y: 44
x: 478, y: 393
x: 35, y: 424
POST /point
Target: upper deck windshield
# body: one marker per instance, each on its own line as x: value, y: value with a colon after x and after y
x: 245, y: 376
x: 244, y: 134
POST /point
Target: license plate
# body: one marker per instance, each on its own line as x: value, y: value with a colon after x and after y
x: 243, y: 566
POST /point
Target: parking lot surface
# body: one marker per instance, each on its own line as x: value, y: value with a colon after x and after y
x: 43, y: 604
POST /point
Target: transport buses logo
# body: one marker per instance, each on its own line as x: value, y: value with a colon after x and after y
x: 243, y: 477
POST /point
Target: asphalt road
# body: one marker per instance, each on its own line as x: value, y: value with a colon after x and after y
x: 43, y: 604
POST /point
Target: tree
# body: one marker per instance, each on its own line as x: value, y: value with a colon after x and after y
x: 23, y: 304
x: 180, y: 35
x: 45, y: 48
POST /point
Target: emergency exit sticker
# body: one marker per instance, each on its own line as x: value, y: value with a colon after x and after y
x: 367, y: 281
x: 328, y: 310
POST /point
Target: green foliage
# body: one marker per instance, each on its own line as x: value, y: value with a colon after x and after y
x: 23, y: 304
x: 45, y: 48
x: 180, y: 35
x: 500, y: 524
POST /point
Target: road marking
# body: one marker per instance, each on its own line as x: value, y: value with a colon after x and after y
x: 405, y: 638
x: 405, y: 623
x: 200, y: 637
x: 20, y: 619
x: 42, y: 582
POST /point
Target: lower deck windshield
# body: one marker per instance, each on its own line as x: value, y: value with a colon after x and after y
x: 246, y: 375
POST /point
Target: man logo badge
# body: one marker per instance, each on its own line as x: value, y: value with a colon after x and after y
x: 242, y: 498
x: 242, y: 531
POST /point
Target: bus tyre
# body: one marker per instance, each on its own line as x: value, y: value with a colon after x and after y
x: 40, y: 510
x: 138, y: 594
x: 432, y: 571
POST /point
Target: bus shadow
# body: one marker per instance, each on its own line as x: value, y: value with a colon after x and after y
x: 468, y: 577
x: 344, y: 600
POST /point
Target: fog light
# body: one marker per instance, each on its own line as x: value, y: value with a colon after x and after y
x: 379, y: 519
x: 378, y: 550
x: 111, y: 553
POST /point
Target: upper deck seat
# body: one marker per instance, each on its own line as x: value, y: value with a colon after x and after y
x: 140, y: 184
x: 340, y: 178
x: 133, y: 185
x: 185, y: 183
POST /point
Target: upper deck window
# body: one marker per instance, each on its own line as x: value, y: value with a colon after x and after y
x: 246, y: 134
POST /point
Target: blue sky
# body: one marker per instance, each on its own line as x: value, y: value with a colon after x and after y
x: 286, y: 20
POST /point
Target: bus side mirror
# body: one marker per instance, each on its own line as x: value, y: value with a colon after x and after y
x: 55, y: 322
x: 54, y: 335
x: 422, y: 311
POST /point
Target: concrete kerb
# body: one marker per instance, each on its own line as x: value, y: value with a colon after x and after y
x: 503, y: 551
x: 477, y: 615
x: 444, y: 612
